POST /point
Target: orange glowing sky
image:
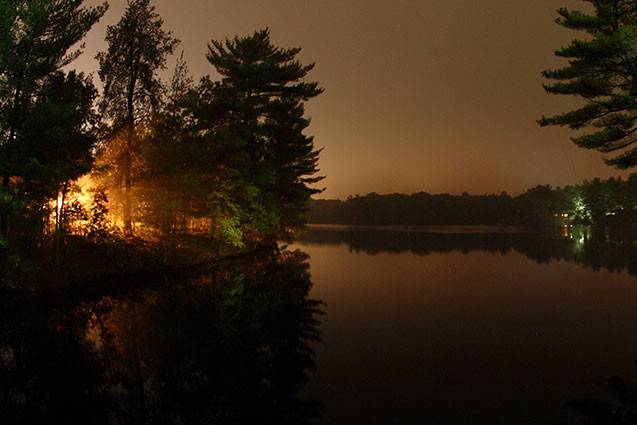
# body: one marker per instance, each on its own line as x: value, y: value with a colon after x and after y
x: 422, y: 95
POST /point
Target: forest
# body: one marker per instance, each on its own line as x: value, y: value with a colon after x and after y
x: 603, y: 202
x: 137, y: 170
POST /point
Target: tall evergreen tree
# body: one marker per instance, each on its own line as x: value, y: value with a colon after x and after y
x: 137, y: 49
x: 60, y: 133
x: 258, y: 112
x: 602, y: 70
x: 36, y: 41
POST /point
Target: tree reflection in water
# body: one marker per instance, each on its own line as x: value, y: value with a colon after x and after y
x: 232, y: 346
x: 597, y: 248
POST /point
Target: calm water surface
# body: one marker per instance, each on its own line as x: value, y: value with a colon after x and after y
x: 472, y: 325
x: 360, y: 326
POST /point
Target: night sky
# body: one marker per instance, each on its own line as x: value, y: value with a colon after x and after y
x: 421, y: 95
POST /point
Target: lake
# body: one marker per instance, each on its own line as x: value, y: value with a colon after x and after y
x: 472, y: 325
x: 400, y: 325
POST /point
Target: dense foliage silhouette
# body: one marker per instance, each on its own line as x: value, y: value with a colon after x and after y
x: 601, y: 72
x: 596, y: 201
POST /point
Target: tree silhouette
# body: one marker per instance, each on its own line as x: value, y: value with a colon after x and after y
x: 36, y: 38
x: 258, y: 110
x: 602, y: 70
x: 137, y: 48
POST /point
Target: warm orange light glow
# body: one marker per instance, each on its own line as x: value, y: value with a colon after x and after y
x: 59, y: 204
x: 80, y: 191
x: 85, y: 186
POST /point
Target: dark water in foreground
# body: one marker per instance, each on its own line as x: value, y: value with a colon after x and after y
x: 421, y: 325
x: 429, y: 325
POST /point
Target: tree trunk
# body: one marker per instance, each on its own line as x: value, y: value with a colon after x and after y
x: 130, y: 132
x: 128, y: 159
x: 128, y: 223
x: 59, y: 224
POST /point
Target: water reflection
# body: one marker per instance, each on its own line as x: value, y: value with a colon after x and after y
x: 231, y: 346
x: 472, y: 326
x: 597, y: 248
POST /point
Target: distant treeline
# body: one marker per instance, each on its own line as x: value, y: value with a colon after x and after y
x: 612, y: 201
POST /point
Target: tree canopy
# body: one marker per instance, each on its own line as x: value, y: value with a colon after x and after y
x: 37, y: 39
x: 138, y: 46
x: 257, y: 110
x: 602, y: 70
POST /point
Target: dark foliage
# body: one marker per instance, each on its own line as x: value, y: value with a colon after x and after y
x: 602, y: 72
x: 612, y: 201
x: 257, y: 112
x: 36, y: 42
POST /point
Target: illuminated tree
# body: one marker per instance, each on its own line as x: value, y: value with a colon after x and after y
x: 137, y: 48
x: 257, y: 112
x: 98, y: 225
x: 171, y: 179
x: 602, y: 71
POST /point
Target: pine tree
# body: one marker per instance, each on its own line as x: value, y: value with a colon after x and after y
x: 36, y: 41
x: 602, y: 70
x: 137, y: 49
x: 60, y: 135
x: 258, y: 112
